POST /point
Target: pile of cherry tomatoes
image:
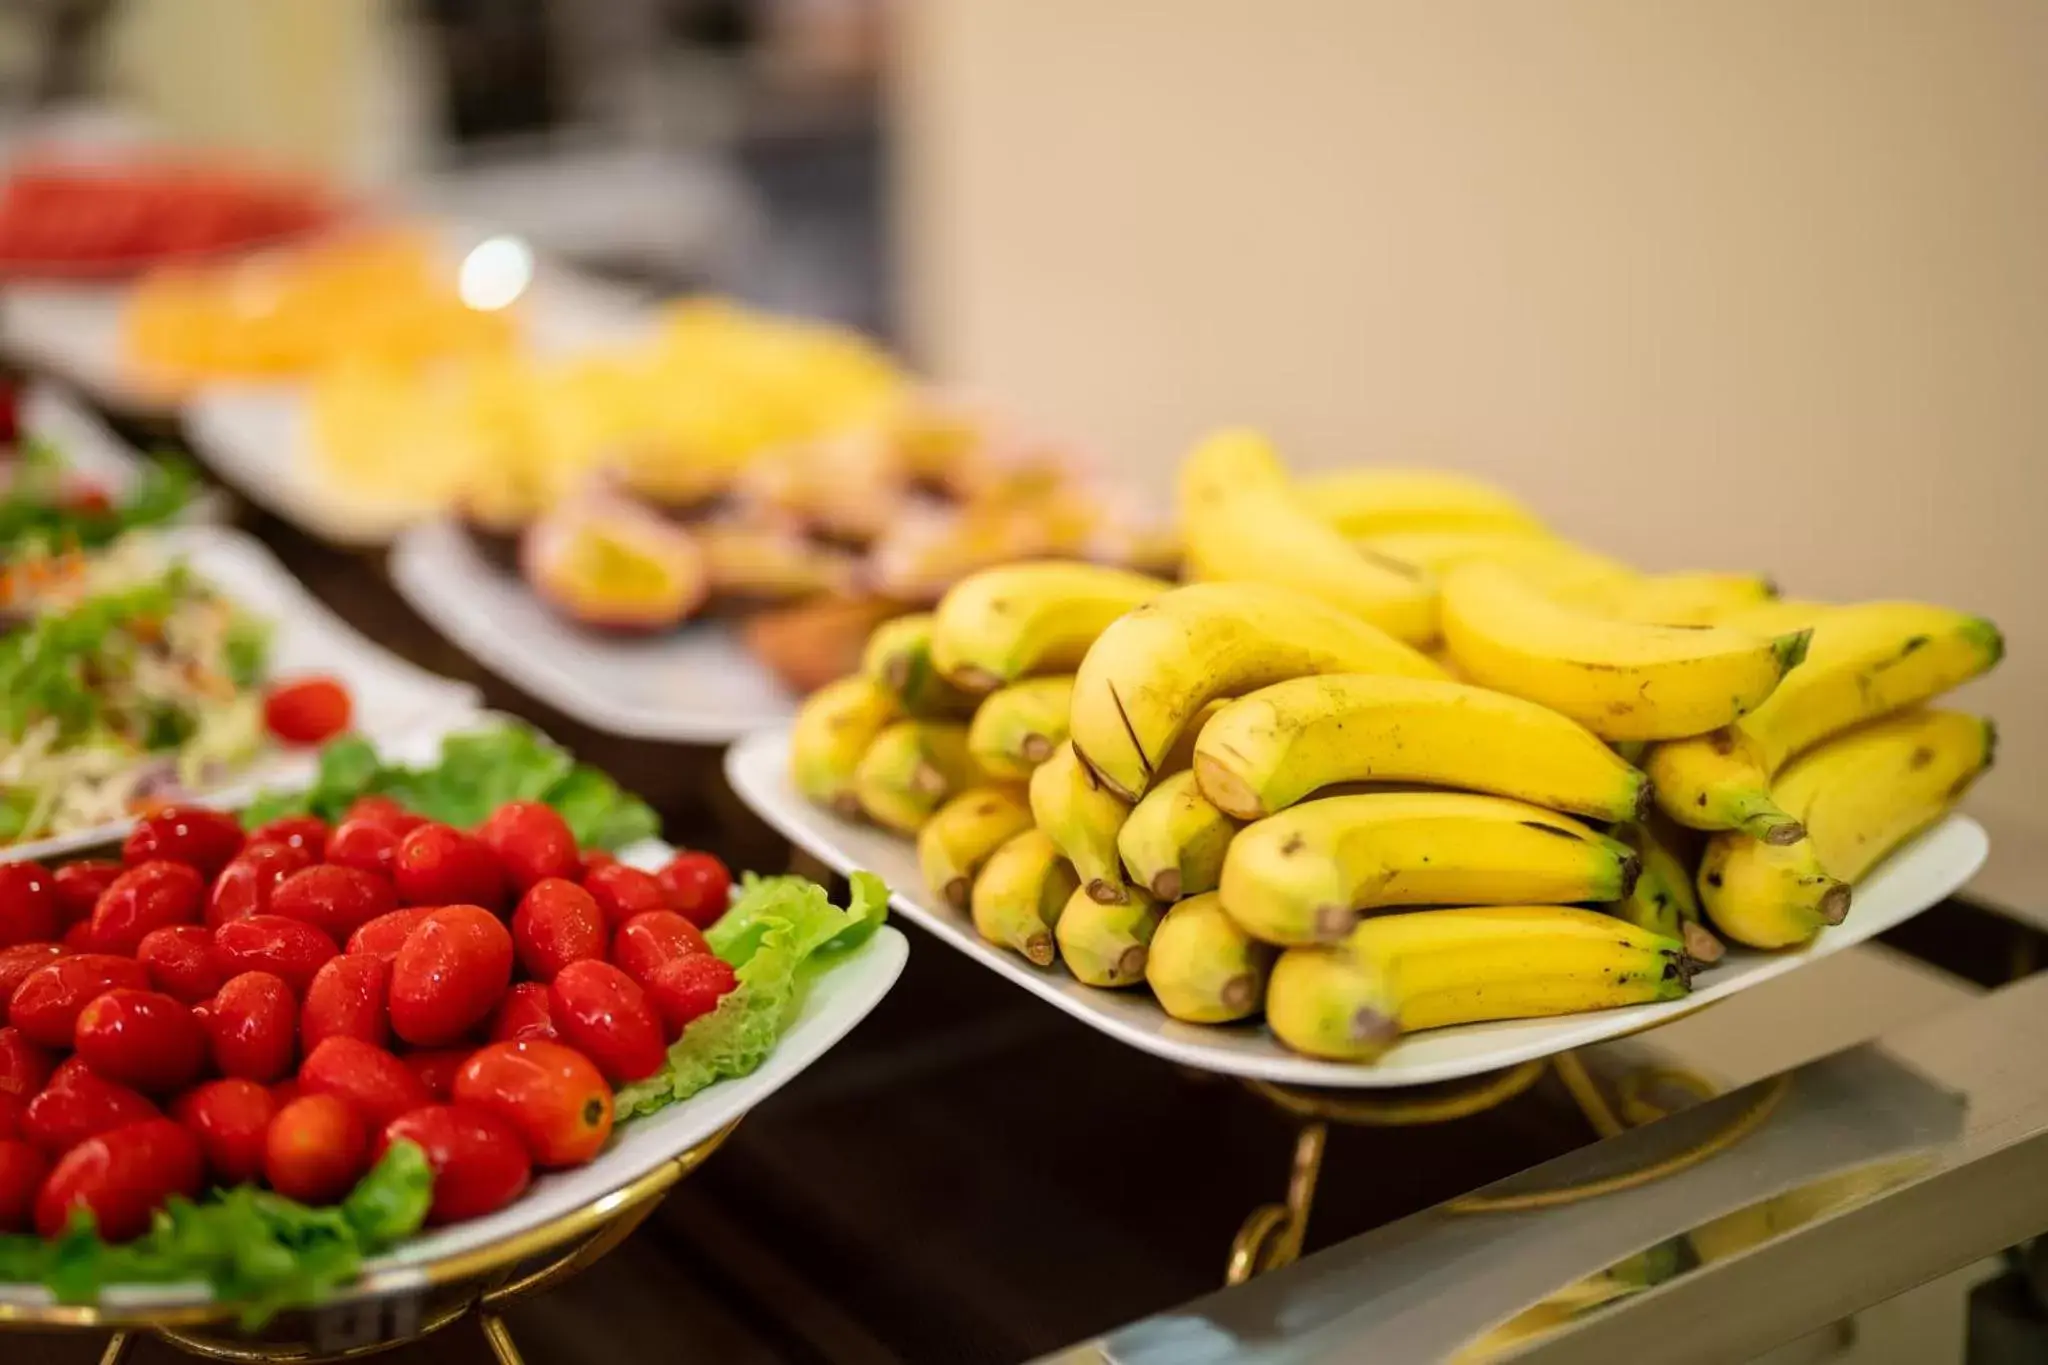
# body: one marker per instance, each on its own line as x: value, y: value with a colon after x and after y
x: 281, y: 1006
x: 83, y: 220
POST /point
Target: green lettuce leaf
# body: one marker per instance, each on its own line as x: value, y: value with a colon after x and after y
x: 35, y: 514
x: 779, y: 934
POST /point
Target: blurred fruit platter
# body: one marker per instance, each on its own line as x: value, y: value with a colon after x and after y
x: 405, y: 1012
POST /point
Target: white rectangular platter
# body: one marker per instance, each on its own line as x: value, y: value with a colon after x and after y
x: 1933, y: 866
x: 696, y: 684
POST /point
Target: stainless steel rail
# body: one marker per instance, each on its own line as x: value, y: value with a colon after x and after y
x: 1830, y: 1188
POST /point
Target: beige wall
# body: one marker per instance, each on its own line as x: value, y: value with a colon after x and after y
x: 1730, y: 283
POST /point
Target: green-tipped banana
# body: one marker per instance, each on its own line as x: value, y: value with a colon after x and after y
x: 834, y: 728
x: 1172, y: 844
x: 899, y: 657
x: 1107, y: 944
x: 1266, y: 751
x: 1662, y: 899
x: 1203, y: 968
x: 910, y: 770
x: 1303, y: 876
x: 1083, y: 818
x: 998, y: 625
x: 1020, y: 893
x: 963, y: 834
x: 1016, y: 728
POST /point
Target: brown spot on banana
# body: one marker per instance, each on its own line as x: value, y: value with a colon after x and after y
x: 1834, y: 903
x: 1239, y: 992
x: 1105, y: 892
x: 1166, y: 886
x: 1036, y: 748
x: 1130, y: 964
x: 1333, y: 922
x: 957, y: 890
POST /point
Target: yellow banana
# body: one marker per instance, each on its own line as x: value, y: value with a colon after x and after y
x: 1619, y: 679
x: 1673, y: 599
x: 1862, y: 662
x: 1019, y: 894
x: 1203, y: 968
x: 998, y: 625
x: 899, y: 657
x: 1376, y: 502
x: 1154, y: 668
x: 1662, y: 900
x: 1325, y: 1002
x: 1859, y: 796
x: 910, y: 770
x: 1083, y: 818
x: 1106, y: 944
x: 1017, y: 727
x: 1267, y: 750
x: 1302, y: 876
x: 1438, y: 552
x: 1172, y: 842
x: 1243, y: 523
x: 834, y: 727
x: 963, y: 833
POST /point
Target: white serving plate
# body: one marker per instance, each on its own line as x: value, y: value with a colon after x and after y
x: 838, y: 998
x: 1930, y: 868
x: 697, y: 684
x: 392, y: 698
x: 73, y: 329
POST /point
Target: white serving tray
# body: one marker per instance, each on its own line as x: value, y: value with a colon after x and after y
x: 697, y: 684
x: 73, y: 330
x: 837, y: 999
x: 1930, y: 868
x: 392, y: 698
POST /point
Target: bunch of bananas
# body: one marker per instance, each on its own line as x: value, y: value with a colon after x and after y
x: 1395, y: 758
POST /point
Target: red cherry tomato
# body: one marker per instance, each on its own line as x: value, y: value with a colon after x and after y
x: 436, y: 1068
x: 369, y: 845
x: 284, y: 1092
x: 591, y: 861
x: 623, y: 892
x: 22, y: 1170
x: 80, y: 885
x: 698, y: 887
x: 386, y: 934
x: 449, y: 975
x: 478, y: 1158
x: 646, y: 941
x: 246, y: 885
x: 308, y: 711
x: 437, y: 865
x: 121, y: 1177
x: 252, y: 1025
x: 181, y: 962
x: 11, y: 1110
x: 552, y: 1094
x: 688, y: 988
x: 348, y: 999
x: 28, y: 904
x: 316, y: 1149
x: 335, y: 900
x: 24, y: 1067
x: 79, y: 939
x: 524, y: 1014
x: 45, y: 1005
x: 531, y: 841
x: 557, y: 923
x: 231, y: 1119
x: 290, y: 949
x: 604, y: 1015
x: 308, y: 832
x: 77, y: 1105
x: 147, y: 896
x: 141, y: 1038
x: 17, y: 962
x: 379, y: 1085
x: 385, y: 810
x: 205, y: 840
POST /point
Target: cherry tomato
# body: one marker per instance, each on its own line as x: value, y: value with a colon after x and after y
x: 24, y: 1067
x: 231, y: 1119
x: 181, y: 962
x: 290, y: 949
x: 77, y: 1105
x: 246, y: 885
x: 308, y: 832
x: 523, y: 1013
x: 147, y: 896
x: 369, y: 845
x: 603, y: 1014
x: 45, y: 1005
x: 252, y: 1026
x: 687, y: 988
x: 449, y: 975
x: 206, y: 840
x: 12, y: 1107
x: 284, y: 1092
x: 623, y: 892
x: 22, y: 1169
x: 552, y: 1094
x: 335, y: 900
x: 384, y: 809
x: 79, y: 938
x: 121, y: 1177
x: 646, y: 941
x: 591, y: 861
x: 436, y: 1068
x: 347, y: 1000
x: 316, y: 1149
x: 557, y: 923
x: 28, y: 904
x: 308, y: 711
x: 698, y: 887
x: 17, y: 962
x: 531, y: 841
x: 80, y: 885
x: 379, y: 1085
x: 478, y: 1158
x: 141, y: 1038
x: 386, y: 934
x: 438, y: 865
